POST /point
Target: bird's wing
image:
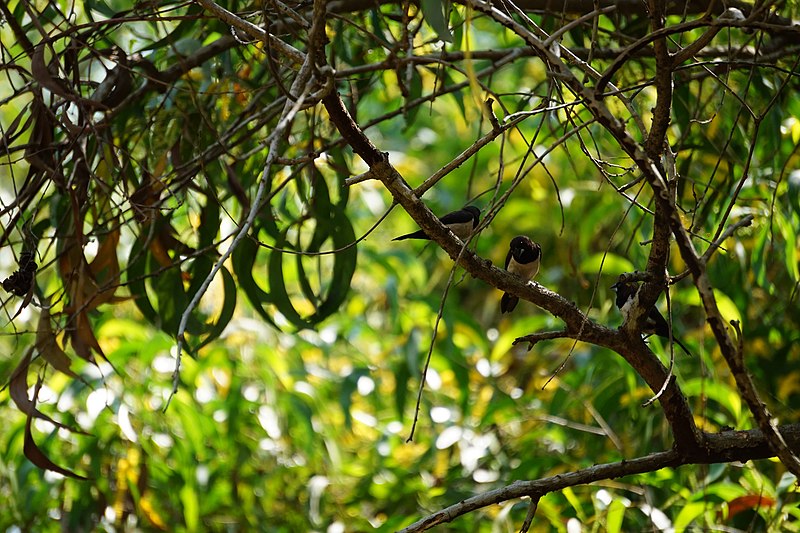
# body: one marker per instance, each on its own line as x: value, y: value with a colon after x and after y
x: 456, y: 217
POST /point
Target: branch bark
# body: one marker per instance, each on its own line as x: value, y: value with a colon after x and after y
x: 721, y: 447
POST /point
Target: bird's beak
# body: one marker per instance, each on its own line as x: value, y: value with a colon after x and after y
x: 614, y: 286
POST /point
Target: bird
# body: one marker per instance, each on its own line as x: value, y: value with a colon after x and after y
x: 460, y: 222
x: 655, y: 323
x: 523, y: 259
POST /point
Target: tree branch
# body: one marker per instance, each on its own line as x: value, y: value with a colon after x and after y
x: 721, y: 447
x: 657, y: 181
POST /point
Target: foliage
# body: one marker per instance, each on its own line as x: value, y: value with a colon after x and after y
x: 137, y: 139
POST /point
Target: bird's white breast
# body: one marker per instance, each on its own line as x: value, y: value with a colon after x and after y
x: 461, y: 229
x: 524, y: 270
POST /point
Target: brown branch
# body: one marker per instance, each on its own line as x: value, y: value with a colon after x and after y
x: 526, y: 525
x: 630, y: 346
x: 655, y: 177
x: 721, y: 447
x: 714, y: 246
x: 578, y: 7
x: 537, y: 488
x: 534, y: 338
x: 654, y: 144
x: 293, y: 54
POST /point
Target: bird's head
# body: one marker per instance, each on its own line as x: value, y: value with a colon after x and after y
x: 475, y: 212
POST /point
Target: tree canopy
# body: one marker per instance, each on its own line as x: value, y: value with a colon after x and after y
x: 208, y: 325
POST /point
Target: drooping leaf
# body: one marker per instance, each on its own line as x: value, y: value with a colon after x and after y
x: 172, y: 301
x: 48, y: 347
x: 760, y: 258
x: 244, y: 260
x: 436, y: 14
x: 793, y: 190
x: 344, y: 266
x: 137, y: 275
x: 18, y: 390
x: 229, y: 290
x: 35, y: 455
x: 277, y: 287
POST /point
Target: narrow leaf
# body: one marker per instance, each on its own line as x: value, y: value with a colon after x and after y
x: 436, y: 13
x: 38, y: 458
x: 18, y: 390
x: 48, y: 346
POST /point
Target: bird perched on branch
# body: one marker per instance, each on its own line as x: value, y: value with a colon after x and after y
x: 460, y: 222
x: 523, y: 259
x: 654, y: 323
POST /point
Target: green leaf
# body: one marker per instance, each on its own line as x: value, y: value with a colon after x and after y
x: 759, y: 257
x: 726, y: 306
x: 226, y: 313
x: 401, y: 382
x: 101, y: 7
x: 414, y: 92
x: 137, y: 274
x: 172, y: 301
x: 209, y: 223
x: 790, y: 241
x: 727, y: 397
x: 793, y: 193
x: 277, y: 286
x: 614, y: 516
x: 404, y: 368
x: 690, y: 512
x: 575, y: 502
x: 244, y: 259
x: 436, y: 14
x: 343, y: 268
x: 458, y: 96
x: 191, y: 506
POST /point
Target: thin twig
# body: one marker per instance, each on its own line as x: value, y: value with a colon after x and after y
x: 439, y: 315
x: 526, y: 525
x: 300, y: 89
x: 296, y: 56
x: 714, y: 246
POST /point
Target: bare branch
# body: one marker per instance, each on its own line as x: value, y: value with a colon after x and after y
x: 292, y: 53
x: 721, y: 447
x: 526, y: 525
x: 533, y: 338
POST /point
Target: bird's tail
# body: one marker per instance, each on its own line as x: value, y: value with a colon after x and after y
x: 508, y: 302
x: 415, y: 235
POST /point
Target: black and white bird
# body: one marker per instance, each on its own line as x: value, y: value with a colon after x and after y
x: 654, y: 323
x: 523, y: 259
x: 460, y: 222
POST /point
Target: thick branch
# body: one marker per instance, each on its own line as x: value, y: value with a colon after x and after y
x: 657, y: 181
x: 654, y: 143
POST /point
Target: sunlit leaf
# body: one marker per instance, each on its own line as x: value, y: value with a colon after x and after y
x: 615, y: 516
